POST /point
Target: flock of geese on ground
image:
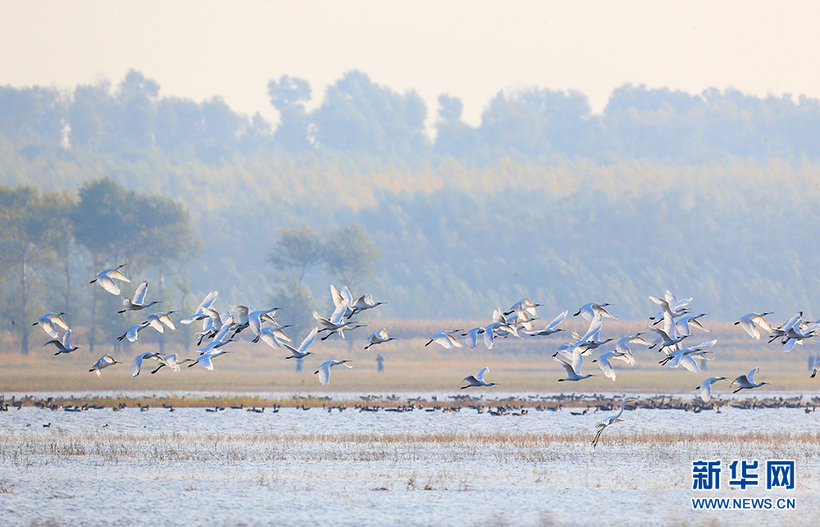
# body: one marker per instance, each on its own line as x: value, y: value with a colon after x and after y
x: 676, y: 320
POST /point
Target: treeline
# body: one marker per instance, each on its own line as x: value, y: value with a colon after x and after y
x: 460, y: 229
x: 367, y: 121
x: 51, y: 242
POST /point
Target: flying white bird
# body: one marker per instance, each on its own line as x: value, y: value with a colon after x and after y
x: 205, y: 360
x: 324, y: 370
x: 199, y: 314
x: 622, y: 347
x: 572, y: 364
x: 172, y: 362
x: 160, y: 320
x: 668, y: 343
x: 336, y: 324
x: 103, y: 362
x: 445, y: 339
x: 255, y: 318
x: 132, y: 333
x: 751, y: 321
x: 747, y: 382
x: 477, y: 379
x: 64, y: 345
x: 271, y: 335
x: 472, y: 336
x: 49, y: 320
x: 106, y: 279
x: 686, y: 322
x: 363, y: 303
x: 551, y: 328
x: 379, y: 337
x: 605, y: 365
x: 136, y: 366
x: 608, y: 422
x: 525, y: 304
x: 594, y: 310
x: 705, y: 388
x: 670, y: 306
x: 685, y: 356
x: 815, y: 367
x: 302, y: 352
x: 137, y: 302
x: 342, y: 301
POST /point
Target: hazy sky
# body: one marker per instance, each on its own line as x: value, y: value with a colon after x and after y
x: 470, y: 49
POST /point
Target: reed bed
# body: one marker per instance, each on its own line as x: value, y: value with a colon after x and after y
x: 163, y: 446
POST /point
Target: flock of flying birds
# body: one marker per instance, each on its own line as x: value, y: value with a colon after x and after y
x: 676, y: 320
x: 218, y: 328
x: 671, y: 326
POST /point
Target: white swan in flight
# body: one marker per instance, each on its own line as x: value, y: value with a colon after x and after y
x: 49, y: 320
x: 379, y: 337
x: 608, y: 422
x: 103, y: 362
x: 324, y: 369
x: 705, y: 388
x: 64, y: 345
x: 551, y: 328
x: 477, y: 379
x: 750, y: 322
x: 445, y: 339
x: 199, y: 314
x: 747, y: 382
x: 572, y: 364
x: 106, y: 279
x: 301, y: 352
x: 137, y: 302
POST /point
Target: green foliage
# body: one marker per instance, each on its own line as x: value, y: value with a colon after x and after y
x: 298, y: 303
x: 297, y: 249
x: 350, y: 255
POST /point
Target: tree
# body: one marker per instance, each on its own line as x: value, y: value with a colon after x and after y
x: 453, y: 136
x: 298, y: 249
x: 288, y: 91
x: 24, y: 227
x: 137, y: 98
x: 61, y: 238
x: 350, y: 255
x: 117, y: 225
x: 90, y: 111
x: 358, y: 115
x: 298, y: 303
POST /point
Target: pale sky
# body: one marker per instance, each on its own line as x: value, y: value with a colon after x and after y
x: 470, y: 49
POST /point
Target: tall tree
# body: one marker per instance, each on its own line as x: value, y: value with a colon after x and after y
x: 296, y: 249
x: 288, y: 96
x: 103, y: 222
x: 350, y: 255
x: 358, y: 115
x: 24, y: 227
x: 137, y: 98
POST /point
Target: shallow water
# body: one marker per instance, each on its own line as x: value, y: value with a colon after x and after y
x: 297, y: 467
